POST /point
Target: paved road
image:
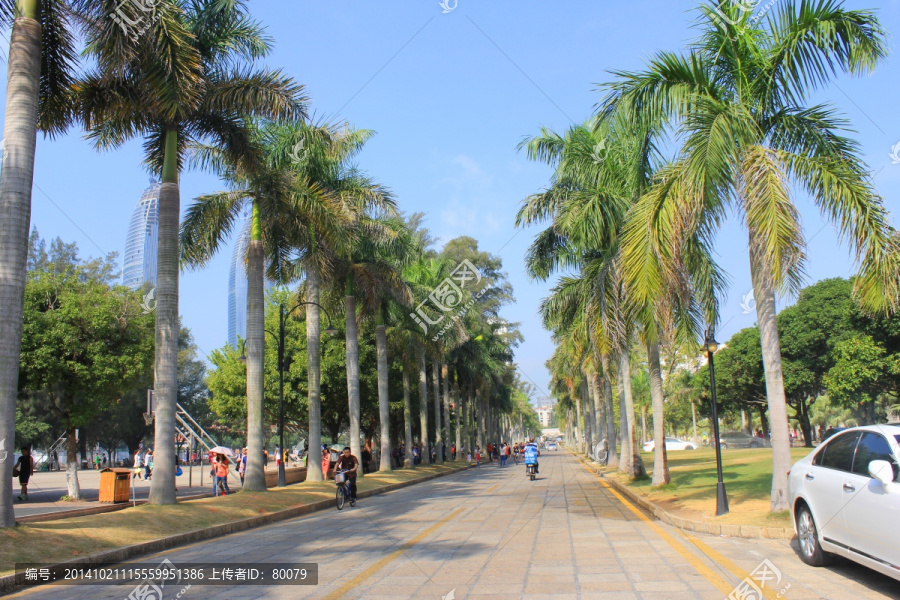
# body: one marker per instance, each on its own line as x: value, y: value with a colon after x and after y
x: 490, y: 533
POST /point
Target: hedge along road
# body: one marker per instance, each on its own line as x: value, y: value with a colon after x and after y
x: 491, y: 533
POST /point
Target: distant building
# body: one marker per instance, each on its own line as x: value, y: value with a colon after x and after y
x: 139, y: 259
x: 237, y: 287
x: 543, y: 410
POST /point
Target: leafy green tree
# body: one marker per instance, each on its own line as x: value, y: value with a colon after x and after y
x: 28, y: 429
x: 84, y: 344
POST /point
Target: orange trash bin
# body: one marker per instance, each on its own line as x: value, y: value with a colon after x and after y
x: 115, y: 485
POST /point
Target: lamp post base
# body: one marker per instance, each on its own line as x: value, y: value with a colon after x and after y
x: 281, y: 478
x: 721, y: 500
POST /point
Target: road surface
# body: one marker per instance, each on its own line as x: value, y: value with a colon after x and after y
x: 490, y: 533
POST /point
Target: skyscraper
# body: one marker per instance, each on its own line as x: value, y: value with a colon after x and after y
x: 139, y: 261
x: 237, y: 287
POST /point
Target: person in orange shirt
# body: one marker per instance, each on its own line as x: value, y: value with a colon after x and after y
x: 222, y: 473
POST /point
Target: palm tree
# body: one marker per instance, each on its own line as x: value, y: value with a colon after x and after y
x: 200, y: 87
x: 39, y: 71
x: 282, y: 202
x: 737, y: 99
x: 372, y: 272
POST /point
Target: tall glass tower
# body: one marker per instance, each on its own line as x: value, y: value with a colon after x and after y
x: 139, y: 262
x: 237, y: 287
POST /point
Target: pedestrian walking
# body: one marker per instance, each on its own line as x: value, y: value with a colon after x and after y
x: 503, y: 455
x: 478, y: 456
x: 148, y: 465
x: 212, y: 473
x: 222, y: 473
x: 242, y: 465
x: 23, y: 469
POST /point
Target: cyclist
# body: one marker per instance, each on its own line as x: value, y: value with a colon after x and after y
x: 349, y: 465
x: 531, y: 454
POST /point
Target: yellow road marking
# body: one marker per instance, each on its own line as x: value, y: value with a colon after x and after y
x: 741, y: 574
x: 716, y: 557
x: 359, y: 579
x: 710, y: 575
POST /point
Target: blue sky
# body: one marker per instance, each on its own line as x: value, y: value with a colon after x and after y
x: 450, y: 96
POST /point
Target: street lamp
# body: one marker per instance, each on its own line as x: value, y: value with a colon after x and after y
x: 282, y: 365
x: 710, y: 345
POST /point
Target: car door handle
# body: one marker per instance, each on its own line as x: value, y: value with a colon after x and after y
x: 849, y: 487
x: 810, y: 476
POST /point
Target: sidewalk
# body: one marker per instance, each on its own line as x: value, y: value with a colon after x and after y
x: 136, y: 531
x: 46, y: 488
x: 712, y: 525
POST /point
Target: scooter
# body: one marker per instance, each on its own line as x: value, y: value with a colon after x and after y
x: 529, y: 471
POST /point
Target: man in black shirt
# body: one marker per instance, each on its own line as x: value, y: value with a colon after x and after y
x: 349, y: 464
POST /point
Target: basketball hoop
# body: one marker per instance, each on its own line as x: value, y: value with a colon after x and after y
x: 148, y: 419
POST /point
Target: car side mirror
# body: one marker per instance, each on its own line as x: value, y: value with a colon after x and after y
x: 882, y: 471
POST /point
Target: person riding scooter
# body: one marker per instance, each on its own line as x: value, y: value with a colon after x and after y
x: 531, y: 454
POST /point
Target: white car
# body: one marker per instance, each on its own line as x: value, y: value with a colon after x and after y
x: 552, y: 446
x: 845, y: 498
x: 671, y: 444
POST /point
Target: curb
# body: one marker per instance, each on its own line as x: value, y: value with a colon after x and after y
x: 93, y: 510
x: 8, y: 583
x: 720, y: 529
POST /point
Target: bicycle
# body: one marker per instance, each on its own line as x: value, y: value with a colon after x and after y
x: 342, y: 493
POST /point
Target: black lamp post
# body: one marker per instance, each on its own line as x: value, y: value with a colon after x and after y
x: 282, y: 365
x: 710, y: 345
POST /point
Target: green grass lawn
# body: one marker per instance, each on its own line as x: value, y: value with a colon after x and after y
x: 692, y: 492
x: 80, y: 536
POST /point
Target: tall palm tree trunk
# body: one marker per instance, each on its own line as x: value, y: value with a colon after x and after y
x: 384, y: 407
x: 599, y: 407
x: 636, y: 464
x: 445, y: 378
x: 16, y: 180
x: 660, y: 460
x: 610, y: 412
x: 162, y: 487
x: 353, y: 373
x: 479, y: 417
x: 255, y: 478
x: 314, y: 359
x: 438, y: 437
x: 407, y: 421
x: 764, y: 293
x: 423, y: 403
x: 580, y: 430
x: 596, y: 436
x: 458, y: 410
x: 588, y: 429
x: 626, y: 455
x: 470, y: 421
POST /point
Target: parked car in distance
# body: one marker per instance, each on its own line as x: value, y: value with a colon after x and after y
x: 552, y: 446
x: 741, y: 439
x: 671, y: 444
x: 845, y: 498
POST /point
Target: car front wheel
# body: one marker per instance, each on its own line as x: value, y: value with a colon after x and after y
x: 808, y: 535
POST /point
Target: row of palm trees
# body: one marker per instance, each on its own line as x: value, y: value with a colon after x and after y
x: 641, y: 188
x: 185, y: 77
